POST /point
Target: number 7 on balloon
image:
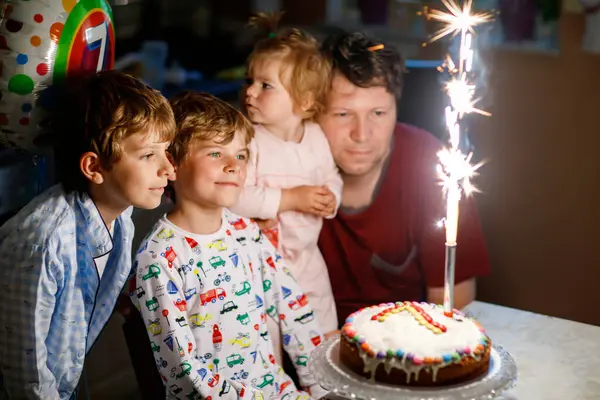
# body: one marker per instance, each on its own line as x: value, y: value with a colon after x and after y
x: 96, y: 37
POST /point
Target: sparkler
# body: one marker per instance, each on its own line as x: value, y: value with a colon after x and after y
x: 455, y: 169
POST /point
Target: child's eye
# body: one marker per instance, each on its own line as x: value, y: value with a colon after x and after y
x: 342, y: 114
x: 215, y: 154
x: 265, y: 85
x: 241, y: 157
x: 147, y: 156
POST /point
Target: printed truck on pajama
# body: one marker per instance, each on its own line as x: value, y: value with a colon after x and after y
x: 206, y: 299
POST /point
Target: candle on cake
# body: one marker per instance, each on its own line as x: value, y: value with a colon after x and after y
x: 455, y: 168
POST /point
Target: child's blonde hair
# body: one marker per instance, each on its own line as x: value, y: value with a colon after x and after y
x: 202, y: 117
x: 309, y: 71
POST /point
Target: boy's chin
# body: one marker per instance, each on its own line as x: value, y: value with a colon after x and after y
x: 228, y: 203
x: 227, y: 198
x: 147, y: 204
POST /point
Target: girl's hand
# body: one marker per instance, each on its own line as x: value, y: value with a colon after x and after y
x: 331, y: 204
x: 316, y: 200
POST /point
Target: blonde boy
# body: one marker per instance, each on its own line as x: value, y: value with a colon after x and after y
x: 207, y: 280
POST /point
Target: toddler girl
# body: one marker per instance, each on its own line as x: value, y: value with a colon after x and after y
x: 292, y: 178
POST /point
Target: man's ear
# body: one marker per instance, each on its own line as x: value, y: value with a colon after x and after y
x: 89, y: 164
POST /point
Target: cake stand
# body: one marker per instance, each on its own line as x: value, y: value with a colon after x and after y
x: 340, y: 380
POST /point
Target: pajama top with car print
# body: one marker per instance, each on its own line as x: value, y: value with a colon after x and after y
x: 205, y: 300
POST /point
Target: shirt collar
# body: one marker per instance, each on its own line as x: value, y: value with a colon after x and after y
x: 94, y: 232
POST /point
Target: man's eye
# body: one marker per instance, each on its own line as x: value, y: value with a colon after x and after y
x: 379, y: 113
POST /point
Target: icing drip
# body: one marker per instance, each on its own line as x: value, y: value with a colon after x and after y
x: 410, y: 346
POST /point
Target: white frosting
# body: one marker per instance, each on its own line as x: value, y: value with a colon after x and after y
x: 402, y: 332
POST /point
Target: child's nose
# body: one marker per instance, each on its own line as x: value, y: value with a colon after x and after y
x: 232, y: 168
x: 167, y: 168
x: 251, y: 91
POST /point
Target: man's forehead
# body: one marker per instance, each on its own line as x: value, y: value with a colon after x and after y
x: 343, y: 91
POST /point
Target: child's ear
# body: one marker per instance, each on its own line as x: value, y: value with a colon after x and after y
x: 89, y: 164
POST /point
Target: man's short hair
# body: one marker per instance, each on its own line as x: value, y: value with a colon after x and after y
x: 365, y: 62
x: 96, y: 114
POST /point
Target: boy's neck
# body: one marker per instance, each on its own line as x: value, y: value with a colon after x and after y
x: 106, y: 206
x: 292, y: 132
x: 196, y: 219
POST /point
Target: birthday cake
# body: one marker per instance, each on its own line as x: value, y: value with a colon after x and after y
x: 414, y: 344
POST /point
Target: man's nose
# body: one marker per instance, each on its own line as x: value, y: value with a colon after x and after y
x: 361, y: 130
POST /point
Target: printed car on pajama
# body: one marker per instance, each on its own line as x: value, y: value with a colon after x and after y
x: 205, y: 300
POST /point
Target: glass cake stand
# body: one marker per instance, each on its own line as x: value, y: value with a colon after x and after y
x: 340, y: 380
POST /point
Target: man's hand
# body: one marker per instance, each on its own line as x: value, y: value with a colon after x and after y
x: 464, y: 294
x: 316, y: 200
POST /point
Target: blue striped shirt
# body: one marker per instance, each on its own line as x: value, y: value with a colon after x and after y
x: 53, y: 305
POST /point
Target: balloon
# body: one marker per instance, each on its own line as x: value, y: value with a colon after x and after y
x: 41, y: 43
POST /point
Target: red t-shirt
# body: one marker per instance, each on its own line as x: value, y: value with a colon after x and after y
x: 393, y: 250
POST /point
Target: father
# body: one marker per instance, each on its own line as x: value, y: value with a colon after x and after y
x: 384, y: 244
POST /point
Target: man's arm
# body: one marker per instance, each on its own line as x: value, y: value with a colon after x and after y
x: 464, y: 294
x: 168, y: 327
x: 27, y: 302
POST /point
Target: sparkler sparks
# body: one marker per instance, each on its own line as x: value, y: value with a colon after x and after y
x: 461, y: 94
x: 456, y: 20
x: 455, y: 169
